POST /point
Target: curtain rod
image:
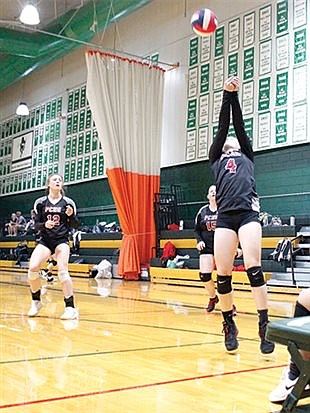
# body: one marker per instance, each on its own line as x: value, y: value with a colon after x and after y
x: 88, y: 44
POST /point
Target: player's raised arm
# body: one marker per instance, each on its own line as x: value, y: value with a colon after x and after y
x: 223, y: 125
x: 244, y: 141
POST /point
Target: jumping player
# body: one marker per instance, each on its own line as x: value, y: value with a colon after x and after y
x: 232, y: 163
x: 55, y: 215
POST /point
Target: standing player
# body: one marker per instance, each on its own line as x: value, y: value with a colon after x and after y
x: 55, y: 215
x: 232, y: 163
x: 205, y: 224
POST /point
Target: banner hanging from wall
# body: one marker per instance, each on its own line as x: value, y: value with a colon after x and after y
x: 22, y: 151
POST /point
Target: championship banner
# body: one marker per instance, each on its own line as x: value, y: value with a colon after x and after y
x: 22, y: 151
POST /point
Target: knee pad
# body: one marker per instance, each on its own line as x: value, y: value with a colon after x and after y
x: 33, y: 275
x: 224, y: 284
x: 205, y: 276
x: 256, y: 276
x: 63, y: 276
x: 300, y: 310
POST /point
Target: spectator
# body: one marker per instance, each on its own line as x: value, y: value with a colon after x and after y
x: 30, y: 226
x: 12, y: 225
x: 21, y: 223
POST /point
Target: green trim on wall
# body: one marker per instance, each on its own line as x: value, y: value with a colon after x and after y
x: 282, y: 178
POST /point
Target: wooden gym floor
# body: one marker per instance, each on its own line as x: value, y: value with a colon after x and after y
x: 144, y: 347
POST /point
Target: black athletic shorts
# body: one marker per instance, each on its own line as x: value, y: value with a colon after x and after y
x: 208, y: 249
x: 51, y: 244
x: 236, y: 219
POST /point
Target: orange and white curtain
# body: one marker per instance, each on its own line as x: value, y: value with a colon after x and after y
x: 126, y: 100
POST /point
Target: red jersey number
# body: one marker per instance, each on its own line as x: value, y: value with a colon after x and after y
x: 211, y: 225
x: 231, y: 166
x: 55, y: 218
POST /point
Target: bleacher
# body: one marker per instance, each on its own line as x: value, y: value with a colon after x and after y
x: 185, y: 243
x: 171, y: 208
x: 92, y: 249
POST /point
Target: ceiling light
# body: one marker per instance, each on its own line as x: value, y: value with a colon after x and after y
x: 22, y: 109
x: 30, y: 15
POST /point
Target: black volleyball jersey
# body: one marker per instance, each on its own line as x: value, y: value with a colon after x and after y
x: 233, y: 171
x: 45, y: 210
x: 205, y: 223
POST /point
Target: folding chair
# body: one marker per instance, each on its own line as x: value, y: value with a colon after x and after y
x: 295, y: 334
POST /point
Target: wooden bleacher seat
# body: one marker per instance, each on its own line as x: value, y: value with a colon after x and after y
x: 295, y: 334
x: 185, y: 244
x: 92, y: 249
x: 96, y: 247
x: 76, y: 270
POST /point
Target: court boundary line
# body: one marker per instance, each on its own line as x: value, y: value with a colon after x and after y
x: 102, y: 353
x: 142, y: 386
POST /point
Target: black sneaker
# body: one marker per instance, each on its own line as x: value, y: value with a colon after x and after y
x: 44, y: 274
x: 234, y: 310
x: 266, y: 347
x: 230, y: 330
x: 49, y: 277
x: 212, y: 303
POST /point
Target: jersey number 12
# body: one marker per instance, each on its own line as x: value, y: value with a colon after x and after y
x: 55, y: 218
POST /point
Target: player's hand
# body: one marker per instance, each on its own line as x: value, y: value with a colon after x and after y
x: 232, y: 84
x: 236, y: 83
x: 200, y: 246
x: 69, y: 210
x: 49, y: 224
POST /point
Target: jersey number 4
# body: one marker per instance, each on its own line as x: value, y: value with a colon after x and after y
x: 231, y: 166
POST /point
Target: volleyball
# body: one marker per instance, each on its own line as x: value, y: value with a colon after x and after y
x: 204, y: 22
